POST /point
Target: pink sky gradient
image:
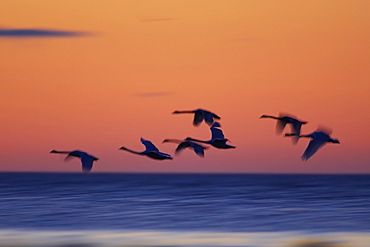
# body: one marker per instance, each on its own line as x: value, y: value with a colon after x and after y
x: 131, y: 63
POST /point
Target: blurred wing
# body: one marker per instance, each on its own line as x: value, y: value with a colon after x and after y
x: 217, y: 134
x: 208, y: 117
x: 280, y: 125
x: 198, y: 118
x: 296, y: 129
x: 87, y: 163
x: 149, y: 146
x: 69, y: 157
x: 198, y: 149
x: 182, y: 146
x: 313, y: 146
x: 324, y: 129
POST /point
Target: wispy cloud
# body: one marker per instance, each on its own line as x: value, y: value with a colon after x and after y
x: 157, y: 94
x: 38, y: 33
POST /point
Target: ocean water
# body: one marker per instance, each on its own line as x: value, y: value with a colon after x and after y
x: 101, y: 209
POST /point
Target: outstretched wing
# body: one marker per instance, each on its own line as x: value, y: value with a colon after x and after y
x: 87, y: 163
x: 69, y: 157
x: 312, y: 148
x: 182, y: 146
x: 280, y: 125
x: 198, y: 117
x: 149, y: 146
x: 198, y: 149
x: 324, y: 129
x: 208, y: 117
x: 296, y: 129
x: 217, y: 134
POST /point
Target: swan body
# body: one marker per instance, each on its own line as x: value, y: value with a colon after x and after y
x: 217, y: 140
x: 319, y: 139
x: 87, y: 160
x: 283, y: 120
x: 150, y: 150
x: 200, y: 115
x: 198, y: 149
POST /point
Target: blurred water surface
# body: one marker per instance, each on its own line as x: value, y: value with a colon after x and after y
x: 213, y: 203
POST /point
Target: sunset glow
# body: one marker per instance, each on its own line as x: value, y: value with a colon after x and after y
x: 97, y: 75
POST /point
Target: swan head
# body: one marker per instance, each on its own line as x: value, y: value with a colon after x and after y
x: 53, y: 151
x: 122, y: 148
x: 263, y: 116
x: 175, y: 112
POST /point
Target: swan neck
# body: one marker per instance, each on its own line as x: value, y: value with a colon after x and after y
x: 177, y: 112
x: 59, y: 152
x: 131, y: 151
x: 269, y: 116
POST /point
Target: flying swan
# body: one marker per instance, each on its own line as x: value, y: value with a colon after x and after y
x: 150, y: 150
x: 87, y: 160
x: 198, y: 149
x: 285, y: 119
x: 200, y: 115
x: 319, y: 139
x: 217, y: 140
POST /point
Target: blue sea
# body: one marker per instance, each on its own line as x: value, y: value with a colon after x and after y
x: 253, y: 210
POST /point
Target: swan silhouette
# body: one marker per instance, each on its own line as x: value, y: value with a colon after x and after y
x: 200, y: 115
x: 319, y: 139
x: 87, y: 160
x: 198, y: 149
x: 217, y: 140
x: 150, y: 150
x: 285, y: 119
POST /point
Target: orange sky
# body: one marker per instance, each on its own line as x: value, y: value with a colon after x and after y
x: 134, y: 62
